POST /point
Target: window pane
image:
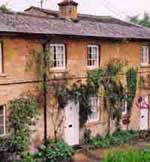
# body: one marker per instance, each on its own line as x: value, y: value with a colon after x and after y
x: 94, y: 102
x: 145, y: 55
x: 1, y: 110
x: 1, y: 120
x: 58, y: 55
x: 1, y: 58
x: 93, y: 56
x: 1, y: 130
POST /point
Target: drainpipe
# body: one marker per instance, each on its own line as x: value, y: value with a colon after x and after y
x: 45, y: 93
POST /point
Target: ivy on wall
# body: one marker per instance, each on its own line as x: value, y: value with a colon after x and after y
x: 114, y: 92
x: 23, y: 112
x: 131, y: 78
x: 108, y: 77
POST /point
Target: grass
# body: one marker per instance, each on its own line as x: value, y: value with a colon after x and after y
x: 128, y: 156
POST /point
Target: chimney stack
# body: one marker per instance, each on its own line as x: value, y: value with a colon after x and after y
x: 68, y: 10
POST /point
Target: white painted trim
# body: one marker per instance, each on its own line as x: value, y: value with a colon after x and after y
x: 1, y: 58
x: 64, y: 56
x: 4, y: 120
x: 143, y: 49
x: 124, y: 112
x: 98, y: 53
x: 98, y: 113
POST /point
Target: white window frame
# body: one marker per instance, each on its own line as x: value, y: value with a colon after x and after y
x: 145, y: 101
x: 1, y: 57
x: 145, y: 55
x: 96, y: 65
x: 98, y: 109
x: 64, y: 56
x: 4, y: 120
x: 124, y: 109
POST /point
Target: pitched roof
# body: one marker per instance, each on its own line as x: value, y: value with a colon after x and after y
x: 93, y: 26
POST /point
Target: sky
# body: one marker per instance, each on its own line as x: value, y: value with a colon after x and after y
x: 117, y: 8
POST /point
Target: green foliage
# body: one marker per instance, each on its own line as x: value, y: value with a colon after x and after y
x: 55, y: 152
x: 130, y: 156
x: 131, y: 77
x: 94, y: 80
x: 144, y: 21
x: 23, y: 111
x: 4, y: 8
x: 106, y: 77
x: 27, y: 157
x: 118, y: 138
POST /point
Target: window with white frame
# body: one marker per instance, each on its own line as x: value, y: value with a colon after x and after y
x: 124, y: 108
x: 1, y: 58
x: 58, y: 56
x: 95, y: 107
x: 2, y: 121
x: 145, y: 101
x: 93, y: 56
x: 145, y: 55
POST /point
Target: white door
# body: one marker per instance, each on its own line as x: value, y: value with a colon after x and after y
x: 72, y: 123
x: 144, y: 114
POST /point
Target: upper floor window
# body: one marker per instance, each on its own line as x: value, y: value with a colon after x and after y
x: 93, y: 56
x: 1, y: 58
x: 95, y: 107
x: 2, y: 121
x: 58, y: 56
x: 145, y: 55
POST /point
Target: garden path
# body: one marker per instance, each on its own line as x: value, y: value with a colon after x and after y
x: 86, y: 155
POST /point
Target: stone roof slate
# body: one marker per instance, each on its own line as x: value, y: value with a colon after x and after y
x: 88, y: 25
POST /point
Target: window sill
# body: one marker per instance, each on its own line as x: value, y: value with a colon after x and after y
x: 92, y: 68
x: 58, y: 70
x: 3, y: 75
x: 145, y: 66
x: 91, y: 123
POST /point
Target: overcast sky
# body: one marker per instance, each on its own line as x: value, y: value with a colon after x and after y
x: 117, y: 8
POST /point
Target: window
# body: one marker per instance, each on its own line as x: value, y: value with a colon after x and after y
x: 95, y: 106
x: 2, y: 121
x: 93, y: 56
x: 58, y: 55
x: 1, y: 58
x: 145, y: 56
x: 145, y: 102
x: 124, y: 108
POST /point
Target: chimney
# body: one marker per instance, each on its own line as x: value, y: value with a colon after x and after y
x: 68, y: 10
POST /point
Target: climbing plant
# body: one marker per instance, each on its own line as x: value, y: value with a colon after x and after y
x: 108, y: 78
x: 131, y: 78
x: 23, y: 113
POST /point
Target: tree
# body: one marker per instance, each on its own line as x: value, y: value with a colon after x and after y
x: 144, y: 20
x: 4, y: 8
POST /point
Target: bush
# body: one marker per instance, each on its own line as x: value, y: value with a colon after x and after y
x: 118, y: 138
x: 130, y: 156
x: 27, y: 157
x: 55, y: 152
